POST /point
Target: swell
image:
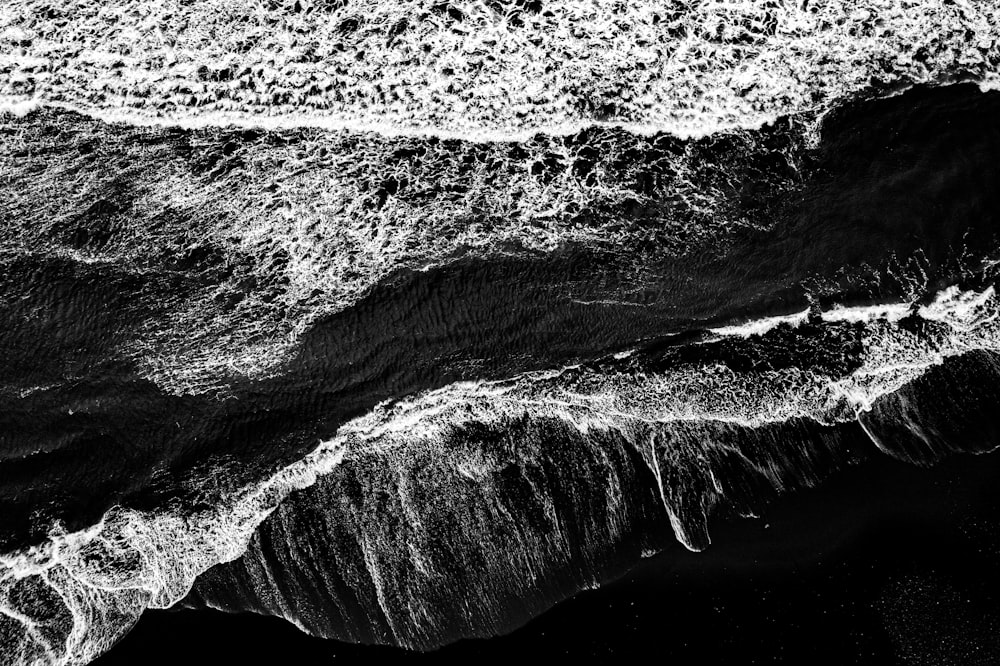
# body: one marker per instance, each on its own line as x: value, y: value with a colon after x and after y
x: 483, y: 71
x: 205, y: 260
x: 630, y: 452
x: 652, y: 399
x: 478, y: 532
x: 218, y: 335
x: 237, y: 243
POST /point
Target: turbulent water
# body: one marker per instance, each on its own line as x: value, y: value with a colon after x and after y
x: 406, y: 321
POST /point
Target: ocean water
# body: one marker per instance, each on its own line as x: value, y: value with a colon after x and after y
x: 409, y: 358
x: 898, y: 574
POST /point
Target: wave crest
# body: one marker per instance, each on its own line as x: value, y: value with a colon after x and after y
x: 70, y: 598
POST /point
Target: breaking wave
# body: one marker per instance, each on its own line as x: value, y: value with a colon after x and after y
x: 266, y: 233
x: 684, y: 146
x: 69, y: 599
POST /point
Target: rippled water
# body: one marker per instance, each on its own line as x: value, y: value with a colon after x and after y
x: 407, y: 377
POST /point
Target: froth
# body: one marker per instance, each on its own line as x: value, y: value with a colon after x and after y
x: 272, y: 232
x: 483, y: 71
x: 95, y: 583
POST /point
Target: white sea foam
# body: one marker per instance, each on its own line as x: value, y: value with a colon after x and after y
x: 18, y: 107
x: 867, y: 313
x: 479, y: 72
x: 962, y: 310
x: 762, y: 326
x: 315, y: 202
x: 305, y: 221
x: 70, y: 598
x: 713, y: 66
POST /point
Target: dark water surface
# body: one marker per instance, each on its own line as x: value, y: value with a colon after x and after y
x: 885, y: 563
x: 881, y: 557
x: 906, y: 182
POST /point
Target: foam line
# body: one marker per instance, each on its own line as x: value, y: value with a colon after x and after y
x: 482, y: 71
x: 96, y: 582
x: 762, y: 326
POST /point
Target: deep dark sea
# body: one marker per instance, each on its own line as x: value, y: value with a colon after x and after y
x: 899, y: 573
x: 334, y: 332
